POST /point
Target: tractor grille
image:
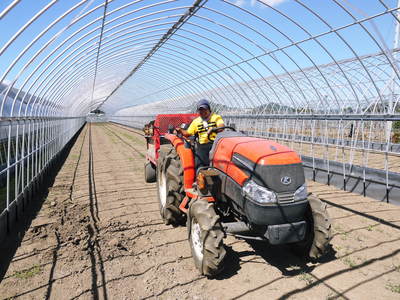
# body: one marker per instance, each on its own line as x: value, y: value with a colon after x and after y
x: 285, y: 197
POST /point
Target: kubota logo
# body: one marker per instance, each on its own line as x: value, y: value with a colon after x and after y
x: 286, y: 180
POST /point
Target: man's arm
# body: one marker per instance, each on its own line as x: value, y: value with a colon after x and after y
x: 220, y: 123
x: 186, y: 133
x: 183, y: 132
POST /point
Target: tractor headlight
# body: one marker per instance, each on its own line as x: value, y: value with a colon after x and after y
x: 258, y: 193
x: 300, y: 193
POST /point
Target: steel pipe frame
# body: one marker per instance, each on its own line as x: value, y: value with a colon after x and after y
x: 61, y: 70
x: 200, y: 50
x: 84, y: 50
x: 266, y: 38
x: 81, y: 62
x: 168, y: 58
x: 78, y: 59
x: 197, y: 4
x: 147, y: 14
x: 335, y: 31
x: 80, y: 29
x: 32, y: 43
x: 187, y: 57
x: 98, y: 48
x: 254, y: 43
x: 38, y: 161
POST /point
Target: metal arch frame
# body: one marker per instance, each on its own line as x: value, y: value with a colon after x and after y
x: 8, y: 8
x: 261, y: 34
x: 394, y: 67
x: 58, y: 47
x: 336, y: 31
x: 150, y: 74
x: 93, y: 10
x: 197, y: 4
x: 227, y: 49
x: 193, y: 62
x: 123, y: 60
x: 289, y: 39
x: 244, y: 37
x: 321, y: 34
x: 80, y: 63
x: 206, y: 53
x: 94, y: 38
x: 61, y: 73
x: 60, y: 70
x: 219, y: 60
x: 310, y: 35
x: 78, y: 48
x: 98, y: 48
x: 167, y: 58
x: 315, y: 38
x: 60, y: 78
x: 337, y: 34
x: 214, y: 65
x: 32, y: 43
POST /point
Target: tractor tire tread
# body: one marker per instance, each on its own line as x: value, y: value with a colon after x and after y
x: 171, y: 213
x: 322, y: 227
x: 213, y: 248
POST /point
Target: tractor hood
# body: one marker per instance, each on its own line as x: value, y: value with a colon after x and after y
x: 268, y: 163
x: 265, y: 152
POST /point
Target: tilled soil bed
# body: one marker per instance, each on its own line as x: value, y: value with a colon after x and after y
x: 99, y: 235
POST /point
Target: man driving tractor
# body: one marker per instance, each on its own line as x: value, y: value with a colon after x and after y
x: 202, y: 126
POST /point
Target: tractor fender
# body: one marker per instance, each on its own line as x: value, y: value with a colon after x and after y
x: 187, y: 159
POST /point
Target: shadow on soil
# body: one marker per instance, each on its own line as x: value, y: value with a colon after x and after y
x: 9, y: 247
x: 281, y: 257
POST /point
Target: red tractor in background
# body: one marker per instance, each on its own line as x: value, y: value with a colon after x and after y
x: 253, y: 189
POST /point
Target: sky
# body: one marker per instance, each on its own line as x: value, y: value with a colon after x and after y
x: 285, y: 24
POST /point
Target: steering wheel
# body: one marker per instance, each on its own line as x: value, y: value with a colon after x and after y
x: 215, y: 129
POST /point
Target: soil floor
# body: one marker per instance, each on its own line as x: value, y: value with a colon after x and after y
x: 99, y: 235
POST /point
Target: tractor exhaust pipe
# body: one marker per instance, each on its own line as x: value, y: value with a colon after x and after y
x: 235, y: 227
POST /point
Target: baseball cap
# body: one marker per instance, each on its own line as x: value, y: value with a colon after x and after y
x: 203, y: 103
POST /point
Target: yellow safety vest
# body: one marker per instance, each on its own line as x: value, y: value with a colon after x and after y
x: 201, y: 127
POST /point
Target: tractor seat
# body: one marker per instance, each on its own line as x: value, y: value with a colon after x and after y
x: 221, y: 135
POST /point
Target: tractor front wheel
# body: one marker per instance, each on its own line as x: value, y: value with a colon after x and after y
x: 319, y: 231
x: 206, y: 237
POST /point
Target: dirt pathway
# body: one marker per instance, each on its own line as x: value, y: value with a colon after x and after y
x: 99, y: 236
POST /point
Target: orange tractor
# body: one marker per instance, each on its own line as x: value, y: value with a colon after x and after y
x: 253, y: 189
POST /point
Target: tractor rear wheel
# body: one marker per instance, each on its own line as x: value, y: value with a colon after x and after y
x: 205, y: 237
x: 170, y: 186
x: 319, y: 231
